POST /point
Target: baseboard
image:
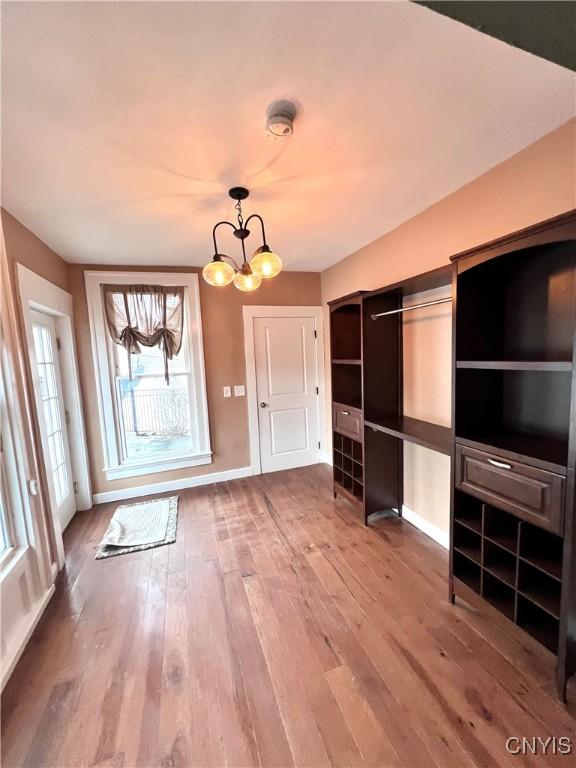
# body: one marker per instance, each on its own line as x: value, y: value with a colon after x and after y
x: 326, y: 458
x: 12, y: 656
x: 172, y: 485
x: 431, y: 530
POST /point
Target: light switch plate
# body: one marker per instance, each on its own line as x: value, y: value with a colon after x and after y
x: 227, y: 392
x: 239, y: 390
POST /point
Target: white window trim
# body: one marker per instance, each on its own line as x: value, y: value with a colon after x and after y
x: 114, y: 468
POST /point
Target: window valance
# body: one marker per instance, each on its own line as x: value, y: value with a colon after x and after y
x: 147, y: 315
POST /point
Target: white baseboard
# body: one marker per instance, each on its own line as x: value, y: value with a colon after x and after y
x: 431, y: 530
x: 326, y: 458
x: 172, y: 485
x: 17, y: 645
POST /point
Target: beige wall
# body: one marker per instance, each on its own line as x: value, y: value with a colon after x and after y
x: 24, y: 247
x: 533, y: 185
x: 224, y: 359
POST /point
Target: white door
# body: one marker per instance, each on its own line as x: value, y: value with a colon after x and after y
x: 287, y: 391
x: 52, y: 417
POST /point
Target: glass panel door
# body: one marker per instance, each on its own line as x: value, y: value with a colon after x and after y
x: 52, y: 414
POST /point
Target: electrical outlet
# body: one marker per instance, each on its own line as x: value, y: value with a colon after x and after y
x: 239, y: 390
x: 227, y: 392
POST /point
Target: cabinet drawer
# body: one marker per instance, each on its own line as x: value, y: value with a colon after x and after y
x: 347, y: 420
x: 533, y: 494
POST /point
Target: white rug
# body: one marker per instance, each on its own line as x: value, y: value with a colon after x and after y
x: 139, y: 526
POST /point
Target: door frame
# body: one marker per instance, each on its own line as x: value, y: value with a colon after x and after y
x: 39, y: 294
x: 249, y: 313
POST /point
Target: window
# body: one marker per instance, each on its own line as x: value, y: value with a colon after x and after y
x: 150, y: 424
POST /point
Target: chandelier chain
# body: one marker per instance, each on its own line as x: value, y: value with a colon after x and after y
x: 238, y: 207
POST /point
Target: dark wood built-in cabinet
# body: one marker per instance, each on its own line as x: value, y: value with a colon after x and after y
x: 514, y: 455
x: 367, y: 390
x: 513, y: 440
x: 347, y: 419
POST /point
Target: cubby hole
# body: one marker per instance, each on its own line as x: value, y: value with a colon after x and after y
x: 500, y: 563
x: 468, y: 511
x: 541, y: 549
x: 501, y: 528
x: 347, y: 385
x: 348, y: 469
x: 347, y: 482
x: 346, y: 333
x: 518, y: 308
x: 539, y: 588
x: 498, y: 594
x: 337, y: 441
x: 468, y: 543
x: 467, y: 571
x: 527, y: 412
x: 538, y: 623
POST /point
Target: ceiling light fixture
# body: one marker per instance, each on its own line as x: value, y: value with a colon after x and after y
x: 223, y: 270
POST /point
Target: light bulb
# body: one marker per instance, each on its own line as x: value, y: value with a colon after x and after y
x: 266, y: 263
x: 218, y: 272
x: 247, y: 281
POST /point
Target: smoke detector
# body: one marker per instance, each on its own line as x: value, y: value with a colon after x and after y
x: 280, y: 119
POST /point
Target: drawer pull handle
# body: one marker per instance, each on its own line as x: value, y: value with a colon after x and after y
x: 500, y: 464
x: 345, y: 413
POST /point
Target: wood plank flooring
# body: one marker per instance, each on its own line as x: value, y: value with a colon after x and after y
x: 276, y: 631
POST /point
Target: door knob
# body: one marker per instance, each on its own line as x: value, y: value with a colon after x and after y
x: 263, y: 405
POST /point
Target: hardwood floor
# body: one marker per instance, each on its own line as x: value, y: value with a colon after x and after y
x: 277, y: 631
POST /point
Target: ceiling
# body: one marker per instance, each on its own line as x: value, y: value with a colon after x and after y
x: 124, y: 124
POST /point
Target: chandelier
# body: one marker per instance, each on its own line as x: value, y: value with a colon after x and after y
x: 223, y: 269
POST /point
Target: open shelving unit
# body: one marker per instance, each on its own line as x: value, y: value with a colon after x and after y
x: 386, y: 426
x: 346, y: 369
x: 349, y: 466
x: 513, y: 436
x: 495, y: 555
x: 513, y: 518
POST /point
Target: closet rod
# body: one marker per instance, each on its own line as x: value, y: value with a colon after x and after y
x: 407, y: 309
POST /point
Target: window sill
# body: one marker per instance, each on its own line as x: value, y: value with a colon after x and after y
x: 152, y: 467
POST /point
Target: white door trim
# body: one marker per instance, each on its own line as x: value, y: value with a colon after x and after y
x: 249, y: 313
x: 37, y: 293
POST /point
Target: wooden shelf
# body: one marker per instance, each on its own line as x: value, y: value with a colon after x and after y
x: 543, y: 599
x: 470, y: 552
x: 538, y: 623
x: 423, y: 433
x: 516, y: 365
x: 545, y: 564
x: 350, y: 361
x: 470, y: 523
